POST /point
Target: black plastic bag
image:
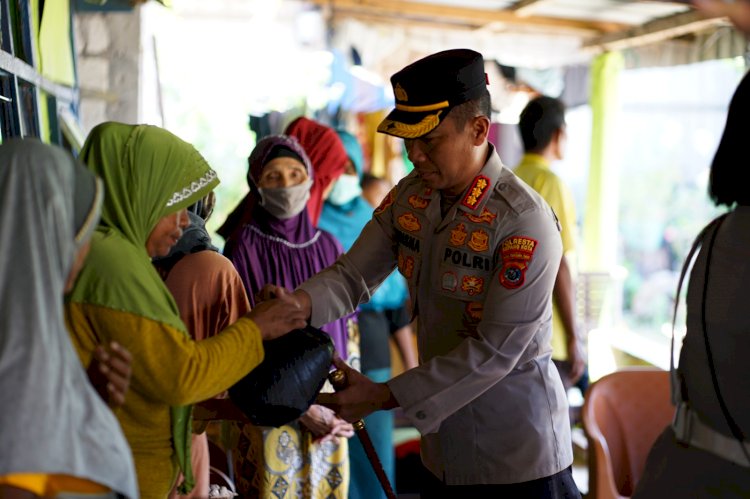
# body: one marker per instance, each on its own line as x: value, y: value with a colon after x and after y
x: 285, y: 384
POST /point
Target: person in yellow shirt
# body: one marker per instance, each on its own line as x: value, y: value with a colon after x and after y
x: 542, y: 127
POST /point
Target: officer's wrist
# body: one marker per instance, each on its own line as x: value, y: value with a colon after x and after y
x: 387, y: 400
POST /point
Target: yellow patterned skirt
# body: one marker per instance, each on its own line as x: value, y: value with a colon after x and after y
x: 284, y: 463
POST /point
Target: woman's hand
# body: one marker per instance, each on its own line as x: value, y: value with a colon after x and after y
x: 271, y: 291
x: 109, y: 372
x: 278, y: 316
x: 324, y: 424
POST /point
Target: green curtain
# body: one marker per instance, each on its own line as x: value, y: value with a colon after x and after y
x: 601, y: 211
x: 56, y: 52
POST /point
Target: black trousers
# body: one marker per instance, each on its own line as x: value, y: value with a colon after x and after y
x: 557, y: 486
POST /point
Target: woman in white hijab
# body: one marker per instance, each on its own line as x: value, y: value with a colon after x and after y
x: 58, y: 438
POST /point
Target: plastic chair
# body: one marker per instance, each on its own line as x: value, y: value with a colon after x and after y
x: 623, y: 414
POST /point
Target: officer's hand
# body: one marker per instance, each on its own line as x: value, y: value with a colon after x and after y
x: 278, y: 316
x: 271, y: 291
x: 360, y: 398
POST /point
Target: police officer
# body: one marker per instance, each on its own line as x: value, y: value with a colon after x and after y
x: 480, y: 251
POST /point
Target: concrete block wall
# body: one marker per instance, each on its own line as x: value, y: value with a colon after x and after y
x: 108, y: 56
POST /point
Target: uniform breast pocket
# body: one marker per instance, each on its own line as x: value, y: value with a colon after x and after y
x: 463, y: 275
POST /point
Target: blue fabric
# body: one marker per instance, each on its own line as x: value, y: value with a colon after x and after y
x: 363, y: 483
x: 353, y: 150
x: 391, y: 294
x: 346, y: 222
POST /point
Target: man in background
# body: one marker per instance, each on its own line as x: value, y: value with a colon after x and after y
x: 542, y: 127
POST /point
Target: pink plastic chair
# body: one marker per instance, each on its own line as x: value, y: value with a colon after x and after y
x: 623, y: 414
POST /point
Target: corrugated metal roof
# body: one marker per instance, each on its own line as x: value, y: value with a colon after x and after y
x: 473, y: 12
x: 609, y: 10
x: 567, y: 30
x: 617, y: 11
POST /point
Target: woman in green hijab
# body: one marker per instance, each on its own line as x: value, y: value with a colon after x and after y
x: 150, y: 178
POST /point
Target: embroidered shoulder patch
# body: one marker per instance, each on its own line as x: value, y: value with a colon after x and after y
x: 386, y: 202
x: 449, y: 281
x: 474, y: 310
x: 477, y: 191
x: 409, y: 222
x: 418, y: 202
x: 479, y: 240
x: 472, y: 284
x: 406, y: 265
x: 515, y: 254
x: 458, y: 235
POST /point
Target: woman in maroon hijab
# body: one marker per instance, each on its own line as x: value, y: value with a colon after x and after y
x: 279, y: 245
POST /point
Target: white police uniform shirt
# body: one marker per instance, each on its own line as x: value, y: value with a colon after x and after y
x: 486, y: 397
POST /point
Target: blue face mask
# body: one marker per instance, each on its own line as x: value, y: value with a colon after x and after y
x: 344, y: 190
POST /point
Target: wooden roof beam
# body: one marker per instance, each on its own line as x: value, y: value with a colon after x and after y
x: 379, y: 18
x: 654, y: 31
x: 451, y: 14
x: 525, y: 8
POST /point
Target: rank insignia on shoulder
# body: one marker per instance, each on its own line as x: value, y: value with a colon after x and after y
x: 417, y: 202
x: 486, y: 217
x: 472, y: 284
x: 480, y: 240
x: 515, y: 253
x: 386, y: 202
x: 477, y: 191
x: 409, y: 222
x: 458, y: 235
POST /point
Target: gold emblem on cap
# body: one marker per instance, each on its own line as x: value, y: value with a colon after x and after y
x: 406, y: 131
x: 400, y: 93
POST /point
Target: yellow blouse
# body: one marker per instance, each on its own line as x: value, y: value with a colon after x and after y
x: 169, y: 368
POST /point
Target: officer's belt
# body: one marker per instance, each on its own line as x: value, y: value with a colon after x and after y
x: 690, y: 430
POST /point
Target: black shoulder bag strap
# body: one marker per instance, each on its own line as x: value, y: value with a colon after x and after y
x: 678, y: 391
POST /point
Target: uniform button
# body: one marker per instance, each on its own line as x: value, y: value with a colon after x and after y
x: 502, y: 186
x: 421, y: 415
